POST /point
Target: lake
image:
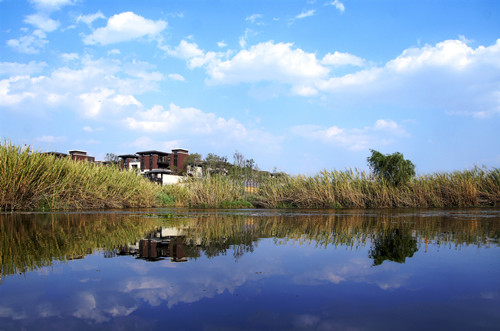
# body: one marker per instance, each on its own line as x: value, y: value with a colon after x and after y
x: 180, y: 269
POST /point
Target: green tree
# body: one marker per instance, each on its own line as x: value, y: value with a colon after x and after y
x: 391, y: 167
x: 239, y: 159
x: 216, y: 164
x: 111, y: 158
x: 194, y: 159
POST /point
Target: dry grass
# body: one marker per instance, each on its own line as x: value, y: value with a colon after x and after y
x: 209, y: 192
x: 35, y: 181
x: 355, y: 189
x: 31, y: 181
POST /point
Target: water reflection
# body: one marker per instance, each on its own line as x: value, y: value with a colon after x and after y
x: 31, y: 241
x: 395, y: 245
x: 250, y: 270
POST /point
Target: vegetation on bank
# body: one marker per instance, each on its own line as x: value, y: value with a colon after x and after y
x: 35, y: 181
x: 344, y: 189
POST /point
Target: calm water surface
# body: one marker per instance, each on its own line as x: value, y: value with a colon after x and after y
x: 251, y: 270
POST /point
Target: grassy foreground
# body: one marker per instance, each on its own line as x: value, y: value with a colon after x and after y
x: 34, y: 181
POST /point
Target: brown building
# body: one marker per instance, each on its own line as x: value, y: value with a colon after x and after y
x: 74, y: 155
x: 129, y: 162
x: 150, y: 161
x: 179, y: 157
x: 81, y: 156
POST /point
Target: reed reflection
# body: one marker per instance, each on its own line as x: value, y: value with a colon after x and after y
x: 31, y: 241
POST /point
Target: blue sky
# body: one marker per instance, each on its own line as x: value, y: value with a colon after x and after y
x: 299, y: 86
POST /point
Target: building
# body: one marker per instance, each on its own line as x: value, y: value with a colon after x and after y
x: 160, y: 167
x: 129, y: 162
x: 81, y: 156
x: 74, y: 155
x: 149, y: 161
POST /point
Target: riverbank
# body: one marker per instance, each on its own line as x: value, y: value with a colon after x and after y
x: 343, y: 189
x: 35, y: 181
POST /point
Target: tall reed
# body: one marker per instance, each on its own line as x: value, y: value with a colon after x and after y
x: 38, y: 181
x: 216, y: 192
x: 356, y: 189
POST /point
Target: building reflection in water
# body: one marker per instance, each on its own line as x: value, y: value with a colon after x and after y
x: 160, y: 244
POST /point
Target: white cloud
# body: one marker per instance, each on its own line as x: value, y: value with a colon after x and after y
x: 91, y: 130
x: 186, y: 50
x: 221, y: 44
x: 338, y: 5
x: 191, y: 124
x: 342, y: 59
x: 14, y: 68
x: 176, y: 77
x: 243, y: 40
x: 146, y: 143
x: 305, y: 14
x: 29, y: 44
x: 49, y: 139
x: 304, y: 90
x: 89, y: 19
x: 383, y: 132
x: 190, y: 52
x: 114, y: 52
x: 93, y: 102
x: 177, y: 119
x: 95, y: 88
x: 450, y: 75
x: 253, y: 18
x: 51, y: 4
x: 11, y: 99
x: 268, y: 62
x: 125, y: 27
x: 70, y: 57
x: 42, y: 21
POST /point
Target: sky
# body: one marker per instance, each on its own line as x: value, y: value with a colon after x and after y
x: 299, y: 86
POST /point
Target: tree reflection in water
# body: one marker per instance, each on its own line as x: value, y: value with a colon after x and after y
x: 395, y: 245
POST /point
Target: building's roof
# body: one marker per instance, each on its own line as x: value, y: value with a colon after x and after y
x: 153, y: 152
x: 128, y: 156
x: 180, y: 150
x: 55, y: 153
x: 77, y: 151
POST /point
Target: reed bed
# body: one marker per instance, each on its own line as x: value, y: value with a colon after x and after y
x: 34, y: 181
x: 209, y: 192
x: 357, y: 189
